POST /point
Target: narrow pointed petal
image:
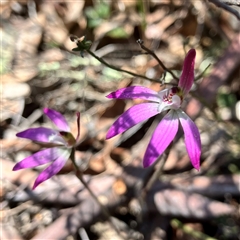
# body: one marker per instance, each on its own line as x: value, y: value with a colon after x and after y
x: 192, y: 138
x: 39, y: 158
x: 57, y: 118
x: 135, y: 92
x: 162, y: 137
x: 131, y: 117
x: 54, y: 168
x: 187, y: 77
x: 42, y: 134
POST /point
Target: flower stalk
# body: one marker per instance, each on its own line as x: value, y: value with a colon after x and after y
x: 83, y: 45
x: 105, y: 211
x: 141, y: 44
x: 122, y: 70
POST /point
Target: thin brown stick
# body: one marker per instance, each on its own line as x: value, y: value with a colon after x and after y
x: 225, y: 6
x: 140, y: 42
x: 122, y: 70
x: 105, y: 211
x: 231, y: 2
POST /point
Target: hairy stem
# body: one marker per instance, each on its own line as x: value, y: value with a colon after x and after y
x: 122, y: 70
x: 105, y: 211
x: 140, y: 42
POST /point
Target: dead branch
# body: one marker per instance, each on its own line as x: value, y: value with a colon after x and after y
x: 224, y: 5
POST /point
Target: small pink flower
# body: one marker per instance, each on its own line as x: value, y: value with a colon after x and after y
x: 168, y: 99
x: 62, y: 141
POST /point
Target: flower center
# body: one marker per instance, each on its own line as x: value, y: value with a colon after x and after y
x: 168, y: 97
x: 68, y: 137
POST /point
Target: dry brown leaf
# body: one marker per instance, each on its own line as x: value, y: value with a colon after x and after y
x: 221, y: 72
x: 13, y: 90
x: 11, y: 108
x: 55, y: 30
x: 25, y: 177
x: 189, y: 205
x: 9, y: 232
x: 217, y: 186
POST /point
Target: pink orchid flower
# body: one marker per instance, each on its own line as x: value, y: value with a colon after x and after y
x: 168, y: 99
x: 61, y: 140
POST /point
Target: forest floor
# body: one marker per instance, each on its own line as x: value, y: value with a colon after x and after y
x: 170, y: 200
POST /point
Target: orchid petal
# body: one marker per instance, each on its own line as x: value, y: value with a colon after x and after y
x: 161, y: 138
x: 187, y: 77
x: 42, y: 134
x: 39, y: 158
x: 57, y: 118
x: 131, y: 117
x: 54, y: 168
x: 192, y: 138
x: 135, y: 92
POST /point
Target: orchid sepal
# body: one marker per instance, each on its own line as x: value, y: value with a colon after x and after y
x: 187, y: 76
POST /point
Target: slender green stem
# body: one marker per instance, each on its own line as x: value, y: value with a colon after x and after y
x: 81, y: 47
x: 140, y: 42
x: 122, y: 70
x: 202, y: 73
x: 105, y: 211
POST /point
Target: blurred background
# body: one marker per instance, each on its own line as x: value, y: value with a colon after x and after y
x: 39, y: 69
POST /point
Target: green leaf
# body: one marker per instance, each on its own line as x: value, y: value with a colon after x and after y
x: 226, y: 99
x: 103, y: 10
x: 118, y: 33
x: 112, y: 74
